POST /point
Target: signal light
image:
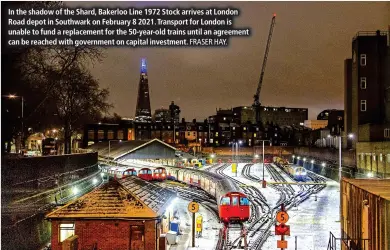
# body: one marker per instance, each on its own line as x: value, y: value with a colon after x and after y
x: 282, y: 229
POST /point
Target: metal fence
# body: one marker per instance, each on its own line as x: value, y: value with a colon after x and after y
x: 347, y: 243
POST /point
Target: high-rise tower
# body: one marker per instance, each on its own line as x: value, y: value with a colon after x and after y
x: 143, y: 111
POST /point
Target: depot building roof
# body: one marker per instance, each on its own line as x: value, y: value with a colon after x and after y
x: 126, y: 198
x: 378, y: 187
x: 123, y: 150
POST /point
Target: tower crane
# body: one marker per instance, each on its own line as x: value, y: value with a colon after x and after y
x: 256, y: 103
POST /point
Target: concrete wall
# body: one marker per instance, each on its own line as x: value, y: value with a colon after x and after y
x: 250, y: 151
x: 374, y: 158
x: 17, y: 170
x: 34, y: 182
x: 329, y: 155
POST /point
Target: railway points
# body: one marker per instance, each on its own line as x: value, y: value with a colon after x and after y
x: 258, y: 231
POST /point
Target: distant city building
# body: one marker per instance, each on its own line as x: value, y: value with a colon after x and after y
x: 242, y: 115
x: 174, y: 112
x: 335, y: 119
x: 283, y: 116
x: 162, y: 115
x: 315, y: 124
x: 143, y: 111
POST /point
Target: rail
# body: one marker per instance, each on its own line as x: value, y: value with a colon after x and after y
x: 348, y: 243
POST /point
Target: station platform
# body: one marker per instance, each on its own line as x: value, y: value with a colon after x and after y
x: 210, y: 230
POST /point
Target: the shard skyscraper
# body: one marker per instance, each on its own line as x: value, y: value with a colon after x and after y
x: 143, y: 112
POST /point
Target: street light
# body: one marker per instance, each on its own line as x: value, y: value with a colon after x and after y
x: 350, y: 136
x: 263, y: 160
x: 10, y: 96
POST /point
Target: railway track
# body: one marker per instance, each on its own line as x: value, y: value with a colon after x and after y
x: 288, y: 196
x: 199, y: 195
x: 260, y: 211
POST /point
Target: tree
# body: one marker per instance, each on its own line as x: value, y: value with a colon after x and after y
x: 78, y: 98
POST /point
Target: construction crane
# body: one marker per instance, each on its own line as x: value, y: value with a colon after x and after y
x: 256, y: 103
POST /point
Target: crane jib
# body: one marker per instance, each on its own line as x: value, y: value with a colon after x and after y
x: 258, y: 90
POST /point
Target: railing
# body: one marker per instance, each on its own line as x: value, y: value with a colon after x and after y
x: 370, y: 33
x: 347, y: 243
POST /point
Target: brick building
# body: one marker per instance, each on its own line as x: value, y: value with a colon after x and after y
x: 367, y: 104
x: 366, y: 82
x: 124, y: 214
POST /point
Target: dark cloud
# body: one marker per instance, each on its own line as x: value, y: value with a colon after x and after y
x: 305, y: 65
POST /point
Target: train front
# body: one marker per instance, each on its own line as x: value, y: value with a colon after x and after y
x: 233, y: 205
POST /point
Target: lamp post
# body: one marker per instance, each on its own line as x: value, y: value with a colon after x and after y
x: 22, y: 118
x: 263, y: 158
x: 339, y: 140
x: 200, y: 144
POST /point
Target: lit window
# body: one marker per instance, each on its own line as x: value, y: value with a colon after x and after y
x: 234, y: 128
x: 254, y: 135
x: 363, y: 105
x: 216, y: 134
x: 91, y: 134
x: 244, y: 128
x: 363, y: 60
x: 381, y: 157
x: 66, y: 231
x: 211, y: 140
x: 363, y: 82
x: 224, y: 118
x: 387, y: 132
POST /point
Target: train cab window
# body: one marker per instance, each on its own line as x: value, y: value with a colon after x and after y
x: 225, y: 201
x: 244, y: 201
x: 134, y: 172
x: 149, y: 171
x: 235, y: 201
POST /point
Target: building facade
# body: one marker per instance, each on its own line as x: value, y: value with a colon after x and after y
x: 283, y: 116
x: 369, y: 72
x: 162, y: 115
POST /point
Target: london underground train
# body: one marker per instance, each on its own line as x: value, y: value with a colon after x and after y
x: 234, y: 208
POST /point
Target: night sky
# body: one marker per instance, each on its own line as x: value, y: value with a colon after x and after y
x: 305, y: 66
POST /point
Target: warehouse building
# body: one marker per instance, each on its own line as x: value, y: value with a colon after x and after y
x: 130, y: 151
x: 365, y: 208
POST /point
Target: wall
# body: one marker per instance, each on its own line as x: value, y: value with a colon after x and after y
x: 326, y: 154
x: 23, y: 224
x: 250, y: 151
x: 359, y: 205
x: 107, y: 234
x: 373, y: 157
x: 16, y: 170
